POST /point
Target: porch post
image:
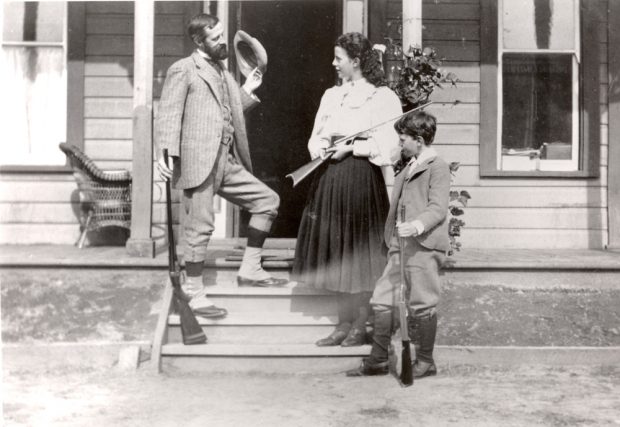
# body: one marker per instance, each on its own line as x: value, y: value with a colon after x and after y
x: 355, y: 16
x: 412, y: 23
x: 141, y: 243
x: 613, y: 156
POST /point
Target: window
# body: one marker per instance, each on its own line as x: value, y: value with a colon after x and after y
x: 539, y: 88
x: 34, y: 82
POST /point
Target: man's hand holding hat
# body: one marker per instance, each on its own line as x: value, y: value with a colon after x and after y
x: 253, y: 81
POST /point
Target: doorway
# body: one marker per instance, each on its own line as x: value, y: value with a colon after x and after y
x: 299, y: 39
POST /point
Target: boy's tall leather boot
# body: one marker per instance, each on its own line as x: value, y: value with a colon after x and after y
x: 377, y: 362
x: 423, y: 330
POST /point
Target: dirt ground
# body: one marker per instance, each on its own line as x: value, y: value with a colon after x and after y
x: 77, y: 305
x: 460, y: 396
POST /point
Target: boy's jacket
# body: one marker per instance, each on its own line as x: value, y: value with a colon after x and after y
x: 425, y: 194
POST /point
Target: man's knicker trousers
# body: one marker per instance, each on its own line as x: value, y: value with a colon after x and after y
x: 234, y: 183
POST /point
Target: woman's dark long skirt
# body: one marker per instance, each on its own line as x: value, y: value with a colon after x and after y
x: 340, y: 243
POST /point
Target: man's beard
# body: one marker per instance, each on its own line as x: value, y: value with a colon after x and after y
x: 217, y: 54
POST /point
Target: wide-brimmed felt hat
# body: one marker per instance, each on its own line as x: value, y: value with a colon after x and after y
x: 250, y: 53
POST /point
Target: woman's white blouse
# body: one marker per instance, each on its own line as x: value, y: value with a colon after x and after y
x: 354, y: 107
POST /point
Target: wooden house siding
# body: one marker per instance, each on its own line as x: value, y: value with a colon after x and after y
x: 508, y: 212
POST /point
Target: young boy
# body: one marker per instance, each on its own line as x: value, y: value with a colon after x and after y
x: 423, y: 188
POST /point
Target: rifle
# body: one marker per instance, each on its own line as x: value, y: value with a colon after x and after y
x: 406, y: 372
x: 301, y: 173
x: 190, y: 328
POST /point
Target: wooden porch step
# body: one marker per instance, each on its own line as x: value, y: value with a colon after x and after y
x: 222, y: 288
x: 263, y: 350
x: 260, y: 328
x: 268, y: 358
x: 261, y: 319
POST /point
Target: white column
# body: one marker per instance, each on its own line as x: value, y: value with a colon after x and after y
x: 140, y: 242
x: 412, y: 23
x: 355, y: 16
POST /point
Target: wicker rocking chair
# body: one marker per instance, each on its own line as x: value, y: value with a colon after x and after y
x: 105, y: 196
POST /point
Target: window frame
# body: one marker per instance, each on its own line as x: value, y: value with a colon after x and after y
x: 589, y: 108
x: 75, y: 46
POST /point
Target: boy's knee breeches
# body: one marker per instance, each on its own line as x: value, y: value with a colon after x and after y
x: 422, y: 267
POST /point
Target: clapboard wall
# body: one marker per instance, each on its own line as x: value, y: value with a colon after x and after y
x: 109, y: 86
x: 503, y: 213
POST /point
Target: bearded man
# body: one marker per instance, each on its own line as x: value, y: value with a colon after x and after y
x: 200, y: 122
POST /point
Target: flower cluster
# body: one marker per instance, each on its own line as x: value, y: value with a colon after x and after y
x: 414, y: 74
x: 458, y: 202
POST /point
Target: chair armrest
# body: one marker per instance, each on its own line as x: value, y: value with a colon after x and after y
x: 116, y: 175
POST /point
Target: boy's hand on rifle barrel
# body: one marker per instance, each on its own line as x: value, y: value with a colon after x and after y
x: 165, y: 170
x: 406, y: 229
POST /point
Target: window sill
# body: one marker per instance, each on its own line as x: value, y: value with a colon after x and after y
x: 538, y: 174
x: 34, y: 169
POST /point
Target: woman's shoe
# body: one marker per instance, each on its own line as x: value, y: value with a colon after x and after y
x: 335, y: 338
x: 423, y: 369
x: 355, y: 338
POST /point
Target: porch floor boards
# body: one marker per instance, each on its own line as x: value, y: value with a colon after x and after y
x: 279, y: 254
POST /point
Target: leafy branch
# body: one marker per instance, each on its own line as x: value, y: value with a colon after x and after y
x: 457, y: 204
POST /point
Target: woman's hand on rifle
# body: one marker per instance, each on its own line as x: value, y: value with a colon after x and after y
x: 340, y: 151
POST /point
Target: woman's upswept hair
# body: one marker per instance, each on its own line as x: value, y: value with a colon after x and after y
x: 358, y: 46
x: 418, y: 123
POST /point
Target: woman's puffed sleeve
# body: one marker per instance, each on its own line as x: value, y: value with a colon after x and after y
x: 381, y: 147
x: 319, y: 140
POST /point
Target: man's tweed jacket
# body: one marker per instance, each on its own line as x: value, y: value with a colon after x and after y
x: 425, y: 195
x: 189, y: 121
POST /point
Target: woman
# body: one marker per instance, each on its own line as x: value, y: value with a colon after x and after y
x: 340, y: 242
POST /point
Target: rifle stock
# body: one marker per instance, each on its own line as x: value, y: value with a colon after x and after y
x: 191, y: 331
x: 301, y: 173
x: 406, y: 372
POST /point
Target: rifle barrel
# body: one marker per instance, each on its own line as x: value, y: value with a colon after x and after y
x: 172, y: 250
x: 301, y: 173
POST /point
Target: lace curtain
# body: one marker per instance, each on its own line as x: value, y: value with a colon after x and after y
x: 34, y: 104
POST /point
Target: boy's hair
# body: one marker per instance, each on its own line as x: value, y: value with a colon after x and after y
x: 418, y: 123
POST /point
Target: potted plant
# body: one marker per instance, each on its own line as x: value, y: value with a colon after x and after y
x: 415, y: 73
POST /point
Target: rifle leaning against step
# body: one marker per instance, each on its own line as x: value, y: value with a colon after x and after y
x: 191, y: 330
